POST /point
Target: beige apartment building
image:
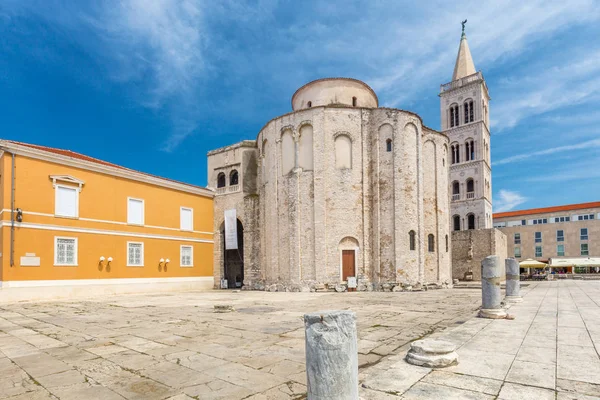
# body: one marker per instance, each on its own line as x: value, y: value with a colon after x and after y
x: 553, y: 233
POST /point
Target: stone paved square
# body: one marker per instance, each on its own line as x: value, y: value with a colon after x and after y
x: 173, y: 346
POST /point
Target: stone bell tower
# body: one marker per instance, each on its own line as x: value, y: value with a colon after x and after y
x: 464, y: 106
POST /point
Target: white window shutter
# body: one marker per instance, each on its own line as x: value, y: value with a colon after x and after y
x: 66, y: 201
x: 135, y: 212
x: 186, y: 219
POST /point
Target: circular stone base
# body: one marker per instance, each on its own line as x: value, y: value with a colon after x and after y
x: 513, y: 299
x: 492, y: 313
x: 432, y: 353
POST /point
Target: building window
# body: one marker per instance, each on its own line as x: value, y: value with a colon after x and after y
x: 560, y: 250
x: 186, y: 219
x: 431, y: 243
x: 135, y: 254
x: 135, y: 211
x: 309, y: 104
x: 517, y: 252
x: 583, y: 235
x: 538, y: 237
x: 560, y: 235
x: 221, y: 180
x: 469, y: 150
x: 517, y: 238
x: 187, y: 256
x: 233, y: 178
x: 562, y: 219
x: 538, y: 251
x: 411, y: 239
x: 471, y: 221
x: 354, y: 102
x: 523, y: 222
x: 584, y: 249
x: 66, y: 201
x: 455, y: 191
x: 540, y: 221
x: 585, y: 217
x: 447, y: 244
x: 65, y: 251
x: 388, y: 145
x: 468, y: 106
x: 456, y: 222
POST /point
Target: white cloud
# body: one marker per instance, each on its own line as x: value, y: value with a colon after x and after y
x: 559, y: 149
x: 507, y: 200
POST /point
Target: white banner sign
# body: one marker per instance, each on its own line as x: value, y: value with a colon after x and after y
x: 231, y: 242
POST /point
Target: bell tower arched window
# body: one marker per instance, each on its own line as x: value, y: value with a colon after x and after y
x: 456, y: 223
x: 221, y: 180
x: 471, y: 221
x: 234, y: 178
x: 469, y: 115
x: 453, y: 116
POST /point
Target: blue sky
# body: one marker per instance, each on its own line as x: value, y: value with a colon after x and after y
x: 155, y: 84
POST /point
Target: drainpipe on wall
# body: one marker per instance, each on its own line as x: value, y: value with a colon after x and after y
x: 12, y: 213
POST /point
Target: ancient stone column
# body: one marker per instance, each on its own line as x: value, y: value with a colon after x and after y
x: 513, y: 281
x: 491, y: 295
x: 331, y: 355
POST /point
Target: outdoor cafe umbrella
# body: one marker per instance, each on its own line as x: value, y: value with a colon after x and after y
x: 531, y: 263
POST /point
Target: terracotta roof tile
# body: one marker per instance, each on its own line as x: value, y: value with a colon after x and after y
x: 83, y: 157
x: 568, y: 207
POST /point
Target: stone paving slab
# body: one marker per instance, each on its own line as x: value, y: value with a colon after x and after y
x: 172, y: 345
x: 550, y: 351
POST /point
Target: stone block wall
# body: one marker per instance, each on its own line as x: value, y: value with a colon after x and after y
x: 471, y: 246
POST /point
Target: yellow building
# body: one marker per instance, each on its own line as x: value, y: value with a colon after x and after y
x: 72, y: 220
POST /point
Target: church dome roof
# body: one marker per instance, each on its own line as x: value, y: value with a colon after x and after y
x: 335, y: 91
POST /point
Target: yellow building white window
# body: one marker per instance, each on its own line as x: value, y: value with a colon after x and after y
x: 135, y: 254
x: 187, y: 256
x: 66, y: 201
x: 186, y: 218
x: 65, y: 251
x: 135, y: 211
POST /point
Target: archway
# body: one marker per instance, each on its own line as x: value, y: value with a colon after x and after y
x: 233, y: 260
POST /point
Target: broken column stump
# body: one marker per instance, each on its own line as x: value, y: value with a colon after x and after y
x: 513, y: 281
x: 331, y: 355
x: 491, y: 296
x: 432, y: 353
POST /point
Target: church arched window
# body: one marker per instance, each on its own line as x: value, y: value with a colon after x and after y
x: 456, y: 223
x: 221, y: 180
x: 388, y: 145
x: 234, y: 178
x: 343, y: 152
x: 354, y: 102
x: 411, y: 240
x: 431, y: 243
x: 309, y: 104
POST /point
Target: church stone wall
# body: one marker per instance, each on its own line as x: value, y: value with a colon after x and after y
x: 298, y: 219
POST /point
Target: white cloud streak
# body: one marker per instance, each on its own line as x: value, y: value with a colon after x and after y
x: 507, y: 200
x: 559, y: 149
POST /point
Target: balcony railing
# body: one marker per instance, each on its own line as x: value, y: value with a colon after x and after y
x: 234, y: 188
x: 461, y: 82
x: 455, y: 197
x: 221, y: 190
x: 470, y: 195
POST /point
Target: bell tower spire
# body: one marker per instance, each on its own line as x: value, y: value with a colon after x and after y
x: 464, y: 62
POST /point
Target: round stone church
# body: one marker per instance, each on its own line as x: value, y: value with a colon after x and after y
x: 338, y: 191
